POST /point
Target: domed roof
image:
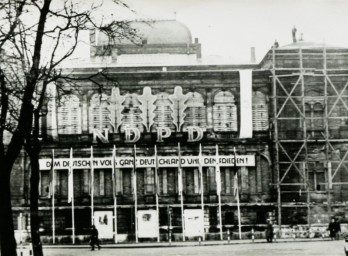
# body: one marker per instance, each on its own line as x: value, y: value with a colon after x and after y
x: 156, y: 32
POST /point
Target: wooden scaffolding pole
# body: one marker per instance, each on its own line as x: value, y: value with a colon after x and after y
x: 180, y: 189
x: 201, y: 186
x: 135, y: 192
x: 275, y: 140
x: 114, y: 191
x: 53, y: 185
x: 304, y: 127
x: 92, y: 186
x: 157, y: 191
x: 326, y: 120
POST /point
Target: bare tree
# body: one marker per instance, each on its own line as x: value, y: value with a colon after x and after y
x: 36, y: 39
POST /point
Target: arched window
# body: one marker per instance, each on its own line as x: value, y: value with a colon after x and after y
x: 131, y: 113
x: 163, y: 112
x: 260, y: 112
x: 195, y: 113
x: 99, y: 113
x: 69, y: 115
x: 224, y: 112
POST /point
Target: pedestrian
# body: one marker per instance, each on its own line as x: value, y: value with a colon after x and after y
x: 94, y: 238
x: 338, y: 230
x: 333, y: 228
x: 269, y: 232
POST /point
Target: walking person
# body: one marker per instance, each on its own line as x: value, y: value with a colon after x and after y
x: 94, y: 238
x: 269, y: 232
x: 333, y: 228
x: 338, y: 230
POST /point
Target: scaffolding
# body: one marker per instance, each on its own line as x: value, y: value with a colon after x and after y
x: 309, y: 131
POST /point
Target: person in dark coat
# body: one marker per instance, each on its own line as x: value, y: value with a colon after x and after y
x: 269, y: 232
x: 338, y: 230
x: 334, y: 228
x: 94, y: 238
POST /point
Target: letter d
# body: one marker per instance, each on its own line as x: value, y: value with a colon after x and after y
x: 191, y: 130
x: 129, y: 131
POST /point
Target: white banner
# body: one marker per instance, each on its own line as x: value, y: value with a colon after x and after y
x: 145, y: 162
x: 194, y: 222
x: 103, y: 222
x: 147, y: 224
x: 246, y: 115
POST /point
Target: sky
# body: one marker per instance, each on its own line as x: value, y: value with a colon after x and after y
x: 230, y: 27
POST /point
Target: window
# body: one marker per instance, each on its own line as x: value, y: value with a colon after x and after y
x: 150, y: 181
x: 316, y: 176
x: 103, y: 182
x: 79, y: 182
x: 99, y: 113
x: 224, y: 112
x: 163, y: 112
x: 229, y: 218
x: 168, y: 179
x: 131, y: 113
x: 44, y: 183
x: 260, y: 112
x: 61, y: 183
x: 69, y: 115
x: 314, y: 111
x: 227, y: 180
x: 192, y: 181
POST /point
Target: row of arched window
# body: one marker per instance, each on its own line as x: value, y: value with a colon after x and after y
x: 131, y: 112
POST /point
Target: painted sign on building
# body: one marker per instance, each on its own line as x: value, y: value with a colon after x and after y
x: 133, y: 134
x: 144, y: 162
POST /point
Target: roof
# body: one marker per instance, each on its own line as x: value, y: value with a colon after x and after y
x: 156, y: 32
x: 307, y: 45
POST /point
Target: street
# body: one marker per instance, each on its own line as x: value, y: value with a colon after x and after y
x: 317, y: 248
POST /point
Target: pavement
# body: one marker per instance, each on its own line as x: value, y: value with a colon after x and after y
x: 183, y: 243
x: 282, y: 247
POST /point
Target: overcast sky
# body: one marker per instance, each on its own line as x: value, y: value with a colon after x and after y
x: 231, y: 27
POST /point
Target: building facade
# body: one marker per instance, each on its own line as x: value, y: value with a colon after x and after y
x: 283, y: 121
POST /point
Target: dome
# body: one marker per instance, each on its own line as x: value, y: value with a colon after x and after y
x: 156, y: 32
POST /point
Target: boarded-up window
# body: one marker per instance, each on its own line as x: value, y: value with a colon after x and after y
x: 99, y: 113
x: 195, y: 113
x: 224, y: 112
x: 69, y: 115
x: 260, y: 112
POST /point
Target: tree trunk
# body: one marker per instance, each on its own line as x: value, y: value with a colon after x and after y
x: 34, y: 202
x: 8, y: 241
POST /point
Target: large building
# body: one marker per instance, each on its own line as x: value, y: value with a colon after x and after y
x: 283, y: 121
